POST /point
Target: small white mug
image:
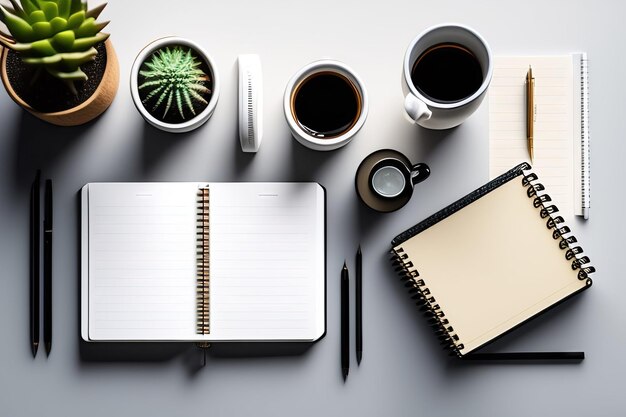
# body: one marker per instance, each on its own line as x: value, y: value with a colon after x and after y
x: 439, y: 114
x: 298, y: 131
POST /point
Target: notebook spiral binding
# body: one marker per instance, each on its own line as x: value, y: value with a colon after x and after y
x: 203, y: 251
x: 556, y: 223
x: 426, y: 301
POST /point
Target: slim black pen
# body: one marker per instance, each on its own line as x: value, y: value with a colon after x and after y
x: 35, y: 217
x: 47, y: 268
x: 526, y: 356
x: 345, y: 322
x: 359, y: 308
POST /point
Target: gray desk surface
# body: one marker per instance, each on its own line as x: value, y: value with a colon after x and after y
x: 403, y: 372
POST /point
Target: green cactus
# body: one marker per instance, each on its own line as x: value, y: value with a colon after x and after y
x: 173, y: 76
x: 56, y: 35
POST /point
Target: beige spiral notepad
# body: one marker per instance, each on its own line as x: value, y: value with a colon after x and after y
x: 203, y: 261
x: 491, y: 261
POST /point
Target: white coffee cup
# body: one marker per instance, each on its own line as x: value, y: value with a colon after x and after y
x: 303, y: 136
x: 431, y: 113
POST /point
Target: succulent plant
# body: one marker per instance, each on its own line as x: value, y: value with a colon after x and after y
x: 55, y: 35
x: 173, y: 76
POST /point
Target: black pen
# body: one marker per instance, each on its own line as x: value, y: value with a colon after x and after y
x: 359, y: 308
x: 345, y: 322
x: 525, y: 356
x: 47, y: 268
x: 35, y: 217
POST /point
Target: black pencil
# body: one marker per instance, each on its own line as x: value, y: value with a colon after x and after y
x: 34, y: 262
x: 47, y: 268
x: 345, y: 322
x: 359, y: 306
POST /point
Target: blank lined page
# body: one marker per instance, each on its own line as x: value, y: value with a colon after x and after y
x: 553, y: 131
x: 267, y: 261
x: 142, y: 263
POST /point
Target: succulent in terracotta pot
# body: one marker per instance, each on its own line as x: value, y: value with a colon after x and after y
x: 56, y: 62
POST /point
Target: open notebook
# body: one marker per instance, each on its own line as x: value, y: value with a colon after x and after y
x: 491, y: 261
x: 203, y: 262
x: 561, y: 125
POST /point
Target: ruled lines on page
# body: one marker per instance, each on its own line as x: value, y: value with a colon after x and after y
x: 553, y: 123
x: 265, y: 262
x: 142, y: 265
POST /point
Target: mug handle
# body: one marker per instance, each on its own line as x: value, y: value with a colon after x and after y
x: 419, y: 172
x: 416, y: 109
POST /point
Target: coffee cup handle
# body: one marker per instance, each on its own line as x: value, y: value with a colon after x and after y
x: 419, y: 172
x: 416, y: 109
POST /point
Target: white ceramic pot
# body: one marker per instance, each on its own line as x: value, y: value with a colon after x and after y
x: 200, y: 118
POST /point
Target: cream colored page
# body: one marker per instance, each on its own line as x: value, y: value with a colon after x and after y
x: 267, y: 261
x: 142, y: 267
x: 554, y: 141
x: 492, y: 265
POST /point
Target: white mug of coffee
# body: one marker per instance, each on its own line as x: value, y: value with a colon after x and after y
x: 325, y: 105
x: 447, y: 70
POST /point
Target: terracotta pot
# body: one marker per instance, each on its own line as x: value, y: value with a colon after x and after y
x: 88, y: 110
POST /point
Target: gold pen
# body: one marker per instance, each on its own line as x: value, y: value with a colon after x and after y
x: 530, y: 110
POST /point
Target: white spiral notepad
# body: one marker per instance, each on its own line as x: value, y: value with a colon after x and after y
x: 203, y: 262
x: 561, y: 129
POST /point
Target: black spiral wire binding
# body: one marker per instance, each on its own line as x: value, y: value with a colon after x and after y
x: 203, y: 267
x: 426, y: 302
x: 560, y: 231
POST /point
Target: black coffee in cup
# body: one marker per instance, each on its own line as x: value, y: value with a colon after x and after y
x: 326, y: 104
x: 447, y: 73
